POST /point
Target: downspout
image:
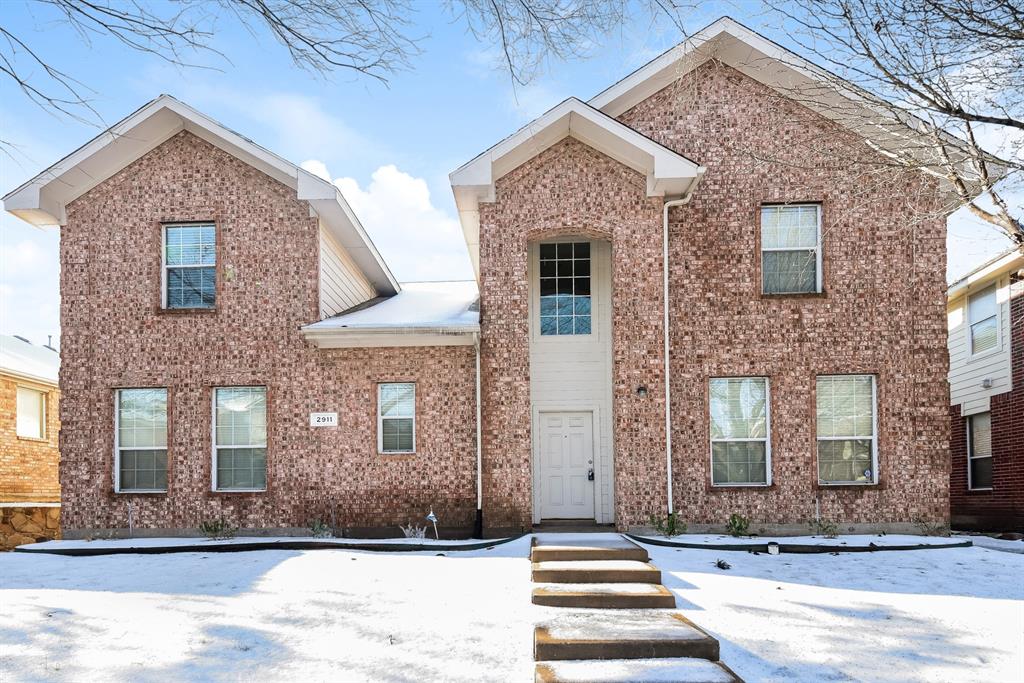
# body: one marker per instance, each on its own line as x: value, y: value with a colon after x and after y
x: 679, y: 201
x: 478, y: 525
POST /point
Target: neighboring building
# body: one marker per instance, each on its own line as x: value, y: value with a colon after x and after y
x: 986, y: 381
x: 29, y: 431
x: 234, y: 345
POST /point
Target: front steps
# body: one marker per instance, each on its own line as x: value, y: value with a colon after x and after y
x: 622, y: 625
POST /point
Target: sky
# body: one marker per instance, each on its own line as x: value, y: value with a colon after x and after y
x: 388, y: 147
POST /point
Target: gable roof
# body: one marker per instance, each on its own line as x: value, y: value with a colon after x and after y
x: 820, y: 90
x: 423, y: 313
x: 668, y: 173
x: 25, y: 360
x: 42, y: 201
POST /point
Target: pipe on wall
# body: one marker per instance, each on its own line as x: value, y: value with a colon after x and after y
x: 478, y: 525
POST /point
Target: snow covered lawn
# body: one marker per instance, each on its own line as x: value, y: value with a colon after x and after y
x: 932, y: 615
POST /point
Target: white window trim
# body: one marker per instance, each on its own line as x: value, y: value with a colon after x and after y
x: 213, y: 439
x: 970, y: 451
x: 767, y: 437
x: 117, y: 443
x: 874, y: 436
x: 164, y: 267
x: 43, y: 408
x: 381, y: 418
x: 969, y: 325
x: 817, y: 251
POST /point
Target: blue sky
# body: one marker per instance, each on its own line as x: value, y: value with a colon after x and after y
x: 390, y: 147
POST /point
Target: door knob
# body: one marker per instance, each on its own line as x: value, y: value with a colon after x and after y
x: 590, y: 474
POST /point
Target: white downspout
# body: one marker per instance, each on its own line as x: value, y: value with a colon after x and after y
x: 680, y: 201
x: 479, y: 445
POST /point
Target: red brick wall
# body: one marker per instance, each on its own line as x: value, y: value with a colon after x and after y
x: 1002, y: 508
x: 882, y: 312
x: 114, y: 335
x: 28, y: 467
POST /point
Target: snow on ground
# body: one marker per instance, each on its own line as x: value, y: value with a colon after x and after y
x: 850, y: 540
x: 179, y: 541
x: 344, y: 615
x: 992, y: 543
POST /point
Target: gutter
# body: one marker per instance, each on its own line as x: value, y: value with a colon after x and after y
x: 669, y: 203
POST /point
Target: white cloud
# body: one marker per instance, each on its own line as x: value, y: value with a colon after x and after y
x: 418, y: 240
x: 29, y: 281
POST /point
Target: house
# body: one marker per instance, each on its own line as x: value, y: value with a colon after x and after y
x: 235, y: 346
x: 29, y: 455
x: 986, y: 379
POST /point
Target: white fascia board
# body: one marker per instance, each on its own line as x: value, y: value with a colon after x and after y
x: 42, y: 201
x: 986, y: 274
x: 368, y: 337
x: 667, y: 172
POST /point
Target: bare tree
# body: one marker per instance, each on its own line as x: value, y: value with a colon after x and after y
x: 953, y: 70
x: 372, y: 38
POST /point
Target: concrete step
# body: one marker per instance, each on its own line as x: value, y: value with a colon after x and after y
x: 679, y: 670
x: 596, y: 571
x: 604, y: 595
x: 552, y: 548
x: 621, y: 634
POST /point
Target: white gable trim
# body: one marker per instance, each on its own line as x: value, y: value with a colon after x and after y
x: 42, y: 201
x: 668, y: 173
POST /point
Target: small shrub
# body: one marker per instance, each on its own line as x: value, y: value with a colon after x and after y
x: 670, y: 526
x: 413, y: 531
x: 320, y: 529
x: 738, y: 525
x: 926, y: 528
x: 824, y: 527
x: 215, y: 529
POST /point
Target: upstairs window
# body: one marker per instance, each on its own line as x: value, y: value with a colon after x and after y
x: 396, y: 418
x: 984, y: 319
x: 189, y: 266
x: 565, y: 288
x: 791, y: 249
x: 740, y: 445
x: 140, y: 440
x: 240, y: 439
x: 847, y: 443
x: 979, y: 452
x: 30, y: 422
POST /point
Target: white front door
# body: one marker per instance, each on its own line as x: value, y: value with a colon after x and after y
x: 566, y: 466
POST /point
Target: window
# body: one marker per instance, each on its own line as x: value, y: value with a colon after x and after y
x: 30, y: 421
x: 846, y: 429
x: 396, y: 418
x: 984, y: 320
x: 240, y: 439
x: 140, y: 441
x: 740, y: 449
x: 791, y: 249
x: 189, y: 266
x: 565, y: 288
x: 979, y: 451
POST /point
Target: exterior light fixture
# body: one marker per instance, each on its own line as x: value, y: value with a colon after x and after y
x: 641, y: 391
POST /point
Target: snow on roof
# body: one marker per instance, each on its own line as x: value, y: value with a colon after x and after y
x: 426, y: 308
x: 22, y: 358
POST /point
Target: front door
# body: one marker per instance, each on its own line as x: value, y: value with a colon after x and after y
x: 567, y: 466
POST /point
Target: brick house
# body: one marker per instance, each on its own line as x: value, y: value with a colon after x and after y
x: 986, y: 378
x: 234, y: 345
x: 29, y: 455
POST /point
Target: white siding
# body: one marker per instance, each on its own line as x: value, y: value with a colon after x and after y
x: 342, y: 284
x: 967, y: 372
x: 574, y: 374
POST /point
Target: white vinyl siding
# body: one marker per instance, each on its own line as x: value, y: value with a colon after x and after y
x: 396, y: 417
x: 240, y: 439
x: 969, y: 372
x: 846, y: 425
x: 342, y: 284
x: 740, y: 431
x: 30, y: 421
x: 979, y: 452
x: 790, y: 248
x: 140, y: 440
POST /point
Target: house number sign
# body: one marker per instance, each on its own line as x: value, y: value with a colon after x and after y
x: 323, y: 419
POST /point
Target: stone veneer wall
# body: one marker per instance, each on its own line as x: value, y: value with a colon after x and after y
x: 28, y: 467
x: 1002, y: 508
x: 29, y: 524
x: 882, y: 310
x: 116, y: 335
